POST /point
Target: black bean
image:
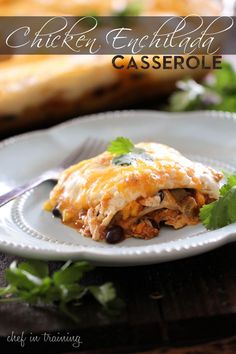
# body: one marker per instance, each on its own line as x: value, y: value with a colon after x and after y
x: 115, y: 234
x: 56, y: 212
x: 161, y: 195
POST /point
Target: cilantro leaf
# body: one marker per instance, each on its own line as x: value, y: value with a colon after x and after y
x: 72, y: 273
x: 216, y: 92
x: 20, y: 278
x: 225, y: 78
x: 37, y: 268
x: 221, y: 212
x: 193, y: 96
x: 126, y: 152
x: 206, y: 214
x: 106, y: 296
x: 120, y: 146
x: 134, y: 8
x: 231, y: 182
x: 104, y: 293
x: 131, y: 158
x: 30, y: 282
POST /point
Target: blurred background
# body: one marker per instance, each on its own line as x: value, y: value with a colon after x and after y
x: 38, y: 91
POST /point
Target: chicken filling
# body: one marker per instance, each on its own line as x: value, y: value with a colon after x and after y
x: 143, y: 217
x: 176, y: 208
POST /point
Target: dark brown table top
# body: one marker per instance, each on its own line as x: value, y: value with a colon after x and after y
x: 180, y: 303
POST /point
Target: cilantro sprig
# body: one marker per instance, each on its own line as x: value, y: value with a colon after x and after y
x: 120, y: 146
x: 126, y: 153
x: 133, y: 8
x: 31, y: 282
x: 217, y: 92
x: 222, y: 212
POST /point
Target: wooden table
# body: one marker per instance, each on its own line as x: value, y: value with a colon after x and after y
x: 191, y: 302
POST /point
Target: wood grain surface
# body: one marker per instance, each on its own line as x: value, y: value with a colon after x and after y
x: 185, y: 302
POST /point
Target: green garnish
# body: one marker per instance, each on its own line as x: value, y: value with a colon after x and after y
x: 134, y: 8
x: 217, y: 93
x: 222, y: 212
x: 30, y: 282
x: 126, y: 152
x: 120, y: 146
x: 131, y: 158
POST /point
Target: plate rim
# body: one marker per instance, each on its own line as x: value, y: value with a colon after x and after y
x: 135, y: 257
x: 225, y: 115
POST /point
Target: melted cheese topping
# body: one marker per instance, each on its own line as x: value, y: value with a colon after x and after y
x: 106, y: 188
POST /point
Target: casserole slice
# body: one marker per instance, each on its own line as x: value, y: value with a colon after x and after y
x: 134, y: 194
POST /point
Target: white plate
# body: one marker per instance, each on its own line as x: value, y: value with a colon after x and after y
x: 27, y: 230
